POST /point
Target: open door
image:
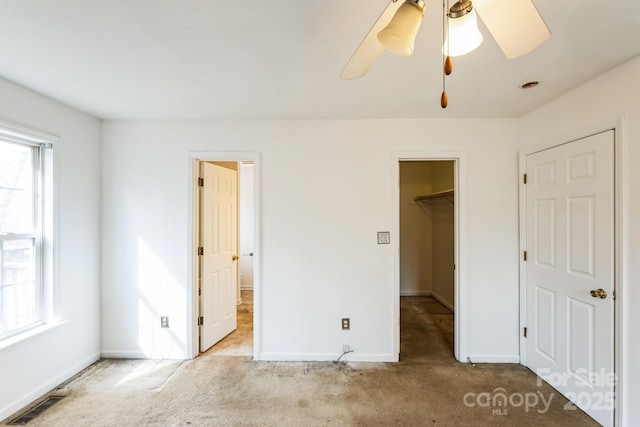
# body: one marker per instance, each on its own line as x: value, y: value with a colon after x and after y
x: 219, y: 254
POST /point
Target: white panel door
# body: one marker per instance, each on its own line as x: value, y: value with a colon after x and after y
x: 570, y: 248
x: 219, y: 266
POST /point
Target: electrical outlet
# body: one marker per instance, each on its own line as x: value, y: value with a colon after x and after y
x: 164, y: 321
x: 346, y: 323
x: 346, y: 348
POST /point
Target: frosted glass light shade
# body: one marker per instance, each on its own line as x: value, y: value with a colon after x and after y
x: 400, y: 34
x: 464, y: 35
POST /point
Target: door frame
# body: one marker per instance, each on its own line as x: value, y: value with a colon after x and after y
x: 193, y: 308
x: 459, y: 351
x: 620, y: 147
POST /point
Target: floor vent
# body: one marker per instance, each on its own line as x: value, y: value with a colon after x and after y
x: 36, y: 411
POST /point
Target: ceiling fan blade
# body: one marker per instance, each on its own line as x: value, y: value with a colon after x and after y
x: 516, y: 25
x: 370, y: 48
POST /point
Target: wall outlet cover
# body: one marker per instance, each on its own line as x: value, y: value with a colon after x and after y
x: 346, y: 323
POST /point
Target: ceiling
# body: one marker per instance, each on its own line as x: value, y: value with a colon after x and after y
x: 280, y: 59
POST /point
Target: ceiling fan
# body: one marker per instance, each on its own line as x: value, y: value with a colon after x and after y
x: 516, y: 26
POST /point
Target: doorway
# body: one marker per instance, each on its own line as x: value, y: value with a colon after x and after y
x: 426, y: 275
x: 225, y: 241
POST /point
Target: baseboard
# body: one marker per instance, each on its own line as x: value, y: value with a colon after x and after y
x: 492, y: 358
x: 110, y: 354
x: 369, y: 357
x: 124, y: 355
x: 442, y: 301
x: 46, y: 387
x: 326, y: 357
x: 415, y: 293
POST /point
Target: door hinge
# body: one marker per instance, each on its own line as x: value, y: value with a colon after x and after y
x: 524, y: 257
x: 613, y: 294
x: 200, y: 182
x: 200, y: 250
x: 200, y: 321
x: 524, y: 331
x: 524, y: 179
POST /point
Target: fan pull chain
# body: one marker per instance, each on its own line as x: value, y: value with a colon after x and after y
x: 448, y: 65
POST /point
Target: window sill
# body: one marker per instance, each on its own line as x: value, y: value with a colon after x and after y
x: 29, y: 335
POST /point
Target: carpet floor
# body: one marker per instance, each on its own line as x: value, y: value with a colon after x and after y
x: 428, y: 387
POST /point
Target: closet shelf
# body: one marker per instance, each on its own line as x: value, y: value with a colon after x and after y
x: 447, y: 194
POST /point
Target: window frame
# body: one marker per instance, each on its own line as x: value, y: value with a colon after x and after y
x: 42, y: 145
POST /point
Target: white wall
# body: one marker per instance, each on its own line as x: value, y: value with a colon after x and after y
x: 442, y: 176
x: 326, y: 189
x: 442, y: 210
x: 608, y: 97
x: 246, y: 226
x: 33, y: 367
x: 415, y: 230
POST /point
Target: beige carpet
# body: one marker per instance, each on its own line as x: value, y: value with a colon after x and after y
x: 427, y: 388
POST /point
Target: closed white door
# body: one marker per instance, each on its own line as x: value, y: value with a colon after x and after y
x: 219, y: 266
x: 570, y: 271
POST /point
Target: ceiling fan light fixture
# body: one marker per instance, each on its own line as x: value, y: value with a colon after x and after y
x: 463, y: 35
x: 400, y: 34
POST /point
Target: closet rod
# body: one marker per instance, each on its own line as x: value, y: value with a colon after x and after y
x: 444, y: 194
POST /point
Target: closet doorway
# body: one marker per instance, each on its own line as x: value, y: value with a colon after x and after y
x: 427, y: 279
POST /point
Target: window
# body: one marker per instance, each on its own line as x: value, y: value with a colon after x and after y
x: 24, y: 215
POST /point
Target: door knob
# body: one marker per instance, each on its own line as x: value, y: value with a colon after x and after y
x: 234, y: 257
x: 599, y: 293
